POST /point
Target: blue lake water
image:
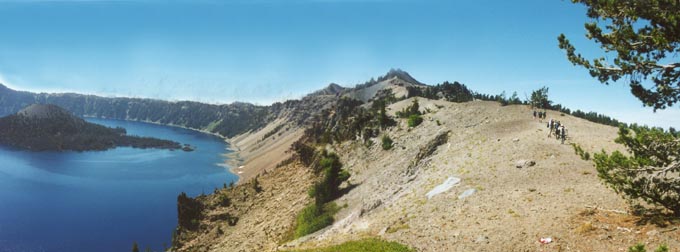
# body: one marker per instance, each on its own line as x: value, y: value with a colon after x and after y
x: 103, y: 201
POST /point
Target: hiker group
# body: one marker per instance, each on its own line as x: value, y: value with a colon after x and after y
x: 540, y: 115
x: 558, y: 129
x: 555, y: 127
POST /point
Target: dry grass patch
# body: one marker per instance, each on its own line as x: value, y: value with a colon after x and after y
x: 585, y: 228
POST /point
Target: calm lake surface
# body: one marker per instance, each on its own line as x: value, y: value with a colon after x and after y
x: 103, y: 201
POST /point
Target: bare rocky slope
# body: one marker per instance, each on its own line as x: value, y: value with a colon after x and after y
x: 509, y: 185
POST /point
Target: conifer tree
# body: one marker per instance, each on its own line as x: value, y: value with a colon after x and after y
x: 640, y: 42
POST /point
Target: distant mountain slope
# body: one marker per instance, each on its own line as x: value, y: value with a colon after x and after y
x: 42, y: 127
x: 397, y: 86
x: 331, y: 89
x: 396, y: 82
x: 227, y: 120
x: 400, y: 74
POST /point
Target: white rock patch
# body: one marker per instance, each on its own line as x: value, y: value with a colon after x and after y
x: 466, y: 193
x: 450, y: 182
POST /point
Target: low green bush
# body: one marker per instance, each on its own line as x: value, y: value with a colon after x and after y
x: 363, y: 245
x: 640, y: 247
x: 223, y: 200
x: 256, y: 185
x: 387, y: 142
x: 313, y: 218
x: 579, y: 151
x: 414, y: 120
x: 319, y: 213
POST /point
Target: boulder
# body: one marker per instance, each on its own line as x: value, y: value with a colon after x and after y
x: 522, y: 163
x: 367, y: 207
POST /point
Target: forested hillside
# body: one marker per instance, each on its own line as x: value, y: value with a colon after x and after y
x: 227, y: 120
x: 51, y: 128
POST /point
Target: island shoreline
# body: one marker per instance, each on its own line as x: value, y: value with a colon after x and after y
x: 233, y: 159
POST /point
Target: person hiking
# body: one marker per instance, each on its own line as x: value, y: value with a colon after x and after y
x: 563, y: 134
x: 550, y: 127
x: 534, y: 114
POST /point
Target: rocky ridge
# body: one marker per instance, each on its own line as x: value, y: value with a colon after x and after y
x: 489, y: 205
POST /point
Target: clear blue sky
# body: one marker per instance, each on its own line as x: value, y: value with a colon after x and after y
x: 262, y: 51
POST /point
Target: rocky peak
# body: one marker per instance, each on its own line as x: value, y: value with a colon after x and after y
x: 335, y: 88
x: 401, y: 74
x: 331, y: 89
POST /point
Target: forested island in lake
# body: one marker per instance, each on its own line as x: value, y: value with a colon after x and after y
x: 46, y: 127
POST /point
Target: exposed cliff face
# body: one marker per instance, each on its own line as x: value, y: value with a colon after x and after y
x: 244, y: 218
